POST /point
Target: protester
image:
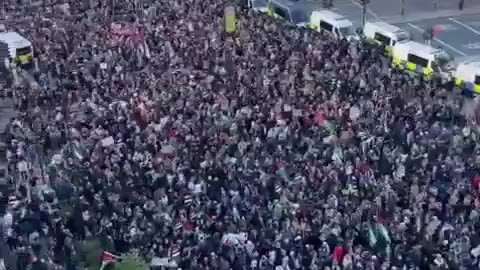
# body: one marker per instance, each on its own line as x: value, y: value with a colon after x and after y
x: 273, y: 148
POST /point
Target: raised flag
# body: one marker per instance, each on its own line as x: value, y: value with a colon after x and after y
x: 108, y: 258
x: 122, y: 34
x: 378, y: 236
x: 187, y: 199
x: 230, y: 19
x: 175, y: 251
x: 320, y: 119
x: 178, y: 225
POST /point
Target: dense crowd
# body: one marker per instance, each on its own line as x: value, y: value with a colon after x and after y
x: 272, y: 148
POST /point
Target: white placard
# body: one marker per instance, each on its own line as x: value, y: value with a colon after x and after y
x: 108, y: 141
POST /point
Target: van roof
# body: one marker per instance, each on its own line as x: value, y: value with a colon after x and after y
x: 393, y: 29
x: 472, y: 63
x: 12, y: 37
x: 286, y: 3
x: 333, y: 18
x: 304, y: 5
x: 419, y: 47
x: 300, y: 6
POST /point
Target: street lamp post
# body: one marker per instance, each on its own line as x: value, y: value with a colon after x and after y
x: 364, y: 11
x: 402, y: 12
x: 327, y: 3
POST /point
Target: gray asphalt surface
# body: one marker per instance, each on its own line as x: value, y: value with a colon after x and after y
x: 460, y: 36
x: 459, y: 31
x: 389, y: 9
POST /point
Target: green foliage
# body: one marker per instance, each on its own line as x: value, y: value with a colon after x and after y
x: 131, y: 262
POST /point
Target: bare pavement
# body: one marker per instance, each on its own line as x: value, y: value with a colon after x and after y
x: 458, y: 30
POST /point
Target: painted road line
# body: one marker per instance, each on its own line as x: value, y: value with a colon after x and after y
x: 438, y: 40
x: 368, y: 10
x: 464, y: 25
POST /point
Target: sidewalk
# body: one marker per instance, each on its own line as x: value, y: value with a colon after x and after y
x: 422, y: 16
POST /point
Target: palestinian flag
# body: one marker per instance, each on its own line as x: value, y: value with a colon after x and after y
x: 187, y: 199
x: 108, y: 258
x: 282, y: 171
x: 278, y: 188
x: 178, y: 225
x: 174, y: 251
x: 378, y: 236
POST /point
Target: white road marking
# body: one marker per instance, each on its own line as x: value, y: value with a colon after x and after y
x: 473, y: 46
x: 474, y: 23
x: 368, y: 10
x: 464, y: 25
x: 438, y: 40
x: 446, y: 27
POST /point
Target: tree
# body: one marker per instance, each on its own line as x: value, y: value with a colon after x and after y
x: 131, y: 262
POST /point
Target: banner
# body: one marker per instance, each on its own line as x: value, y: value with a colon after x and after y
x: 230, y: 20
x: 127, y: 34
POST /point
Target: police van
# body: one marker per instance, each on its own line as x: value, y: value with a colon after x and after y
x: 260, y: 6
x: 15, y: 48
x: 293, y: 13
x: 384, y: 34
x: 467, y: 76
x: 333, y: 23
x: 423, y: 59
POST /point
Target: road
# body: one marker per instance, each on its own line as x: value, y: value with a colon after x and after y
x: 460, y: 36
x: 391, y: 9
x: 457, y: 31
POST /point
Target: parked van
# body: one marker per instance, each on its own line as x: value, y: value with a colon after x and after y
x: 258, y: 5
x: 467, y: 76
x: 384, y: 34
x: 15, y: 48
x: 423, y: 59
x: 336, y: 24
x: 293, y: 13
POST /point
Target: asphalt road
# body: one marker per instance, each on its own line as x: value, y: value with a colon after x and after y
x: 388, y: 9
x: 458, y: 32
x: 460, y: 36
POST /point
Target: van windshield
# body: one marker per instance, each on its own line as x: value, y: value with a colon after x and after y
x: 298, y: 16
x: 259, y: 3
x: 23, y: 51
x: 403, y: 37
x: 346, y: 31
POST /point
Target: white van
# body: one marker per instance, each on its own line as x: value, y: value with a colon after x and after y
x: 260, y: 6
x: 467, y: 76
x: 423, y: 59
x: 292, y: 13
x: 15, y: 48
x: 336, y: 24
x: 384, y: 34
